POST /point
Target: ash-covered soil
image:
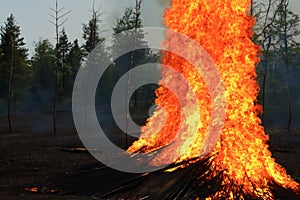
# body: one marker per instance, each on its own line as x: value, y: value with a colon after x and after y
x: 30, y: 155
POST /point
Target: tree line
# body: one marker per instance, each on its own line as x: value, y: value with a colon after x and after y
x: 277, y: 31
x: 29, y: 83
x: 36, y: 83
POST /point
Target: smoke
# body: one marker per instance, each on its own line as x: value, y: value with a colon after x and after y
x: 164, y: 3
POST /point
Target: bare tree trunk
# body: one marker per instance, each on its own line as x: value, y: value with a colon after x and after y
x: 57, y: 25
x: 266, y: 65
x: 289, y: 104
x: 264, y: 91
x: 137, y: 13
x: 94, y: 27
x: 9, y: 96
x: 55, y: 94
x: 286, y: 54
x: 269, y: 13
x: 63, y: 69
x: 56, y: 69
x: 289, y: 101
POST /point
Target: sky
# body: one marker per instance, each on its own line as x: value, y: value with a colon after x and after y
x: 33, y: 16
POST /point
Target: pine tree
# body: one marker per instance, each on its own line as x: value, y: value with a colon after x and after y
x: 72, y: 64
x: 75, y: 58
x: 63, y: 50
x: 43, y: 64
x: 14, y: 64
x: 91, y: 31
x: 128, y: 33
x: 131, y: 21
x: 128, y: 21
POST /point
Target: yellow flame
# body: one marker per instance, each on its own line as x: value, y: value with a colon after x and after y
x: 224, y: 29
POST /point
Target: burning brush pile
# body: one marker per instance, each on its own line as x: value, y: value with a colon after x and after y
x: 241, y: 163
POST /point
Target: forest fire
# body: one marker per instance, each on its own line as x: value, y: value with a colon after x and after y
x: 241, y: 155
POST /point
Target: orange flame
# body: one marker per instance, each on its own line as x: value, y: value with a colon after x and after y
x: 224, y: 29
x: 32, y: 189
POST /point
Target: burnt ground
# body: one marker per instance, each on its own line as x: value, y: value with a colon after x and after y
x: 31, y: 155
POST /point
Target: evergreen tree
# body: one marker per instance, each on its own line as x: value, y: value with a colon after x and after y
x: 63, y: 50
x: 91, y: 31
x: 14, y: 64
x: 128, y: 21
x: 13, y: 54
x: 131, y: 21
x: 75, y: 58
x: 43, y: 64
x: 73, y: 63
x: 121, y: 39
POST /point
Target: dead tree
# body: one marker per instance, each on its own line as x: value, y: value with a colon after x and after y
x: 92, y: 30
x: 278, y: 29
x: 58, y: 15
x: 9, y: 96
x: 138, y: 4
x: 265, y: 14
x: 286, y: 61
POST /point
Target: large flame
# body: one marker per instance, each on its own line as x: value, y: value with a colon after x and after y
x: 224, y: 29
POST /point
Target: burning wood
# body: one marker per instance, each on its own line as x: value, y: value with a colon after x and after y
x: 196, y: 180
x: 242, y: 165
x: 32, y: 189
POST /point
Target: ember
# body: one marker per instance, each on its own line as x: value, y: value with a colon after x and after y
x: 37, y: 189
x: 32, y: 189
x: 242, y: 156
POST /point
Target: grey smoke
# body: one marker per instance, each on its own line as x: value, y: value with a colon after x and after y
x: 164, y: 3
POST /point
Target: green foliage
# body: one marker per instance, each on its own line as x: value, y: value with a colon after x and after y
x: 75, y: 58
x: 286, y: 27
x: 70, y: 66
x: 122, y: 39
x: 91, y: 31
x: 279, y: 63
x: 13, y: 55
x: 63, y: 48
x: 127, y: 22
x: 43, y: 64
